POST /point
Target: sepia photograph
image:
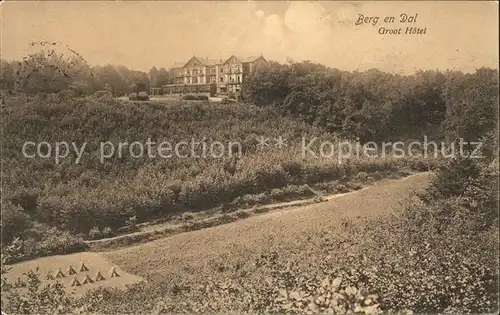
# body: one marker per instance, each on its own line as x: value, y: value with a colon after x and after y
x: 249, y: 157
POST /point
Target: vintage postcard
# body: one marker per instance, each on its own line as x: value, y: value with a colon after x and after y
x: 249, y: 157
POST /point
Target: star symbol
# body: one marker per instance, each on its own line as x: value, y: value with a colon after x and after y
x: 262, y: 142
x: 280, y: 142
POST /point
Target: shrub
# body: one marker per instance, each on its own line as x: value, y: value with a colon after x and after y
x: 95, y: 233
x: 107, y: 232
x: 142, y: 96
x: 65, y: 94
x: 57, y: 243
x: 361, y: 176
x: 258, y: 199
x: 341, y: 188
x: 132, y: 221
x: 35, y: 298
x: 132, y: 97
x: 14, y: 221
x: 291, y: 192
x: 294, y: 169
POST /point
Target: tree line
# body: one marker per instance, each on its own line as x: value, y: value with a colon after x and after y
x: 52, y: 69
x: 375, y: 105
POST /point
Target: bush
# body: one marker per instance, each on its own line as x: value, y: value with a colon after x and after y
x: 361, y: 176
x: 132, y: 97
x: 95, y: 233
x: 57, y: 243
x: 194, y: 97
x: 65, y: 94
x: 41, y: 240
x: 142, y: 96
x: 107, y: 232
x: 132, y: 221
x: 14, y: 221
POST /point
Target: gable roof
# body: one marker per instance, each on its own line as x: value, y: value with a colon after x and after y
x: 178, y: 65
x: 248, y: 59
x: 214, y: 61
x: 209, y: 61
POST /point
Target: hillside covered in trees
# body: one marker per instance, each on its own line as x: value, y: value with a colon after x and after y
x: 374, y: 105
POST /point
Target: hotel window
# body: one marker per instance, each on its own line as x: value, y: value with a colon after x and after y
x: 221, y: 79
x: 221, y: 69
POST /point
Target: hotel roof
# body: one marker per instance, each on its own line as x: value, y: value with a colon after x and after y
x: 213, y: 61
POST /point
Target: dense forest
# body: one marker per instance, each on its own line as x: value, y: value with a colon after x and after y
x: 374, y: 105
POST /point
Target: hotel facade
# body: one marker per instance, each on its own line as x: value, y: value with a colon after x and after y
x: 211, y: 76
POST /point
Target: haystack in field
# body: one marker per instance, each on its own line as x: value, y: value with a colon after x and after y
x: 83, y: 267
x: 113, y: 273
x: 99, y: 276
x: 71, y: 270
x: 49, y: 275
x: 87, y: 280
x: 60, y: 274
x: 75, y: 282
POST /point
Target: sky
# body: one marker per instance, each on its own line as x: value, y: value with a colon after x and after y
x: 459, y: 35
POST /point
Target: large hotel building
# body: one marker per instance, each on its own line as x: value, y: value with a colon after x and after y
x: 214, y: 76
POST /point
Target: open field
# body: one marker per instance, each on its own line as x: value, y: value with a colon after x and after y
x: 95, y: 264
x: 239, y: 241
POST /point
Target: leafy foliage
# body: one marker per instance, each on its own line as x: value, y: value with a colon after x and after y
x: 374, y: 105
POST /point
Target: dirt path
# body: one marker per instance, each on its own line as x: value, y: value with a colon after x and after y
x: 193, y: 250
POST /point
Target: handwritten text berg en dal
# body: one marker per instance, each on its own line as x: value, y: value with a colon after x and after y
x: 403, y: 18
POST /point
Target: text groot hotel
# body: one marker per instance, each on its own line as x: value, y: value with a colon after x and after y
x: 214, y: 76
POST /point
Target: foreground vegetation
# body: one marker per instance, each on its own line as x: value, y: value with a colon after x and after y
x: 435, y: 255
x: 438, y: 254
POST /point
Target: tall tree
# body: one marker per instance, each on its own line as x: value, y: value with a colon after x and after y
x: 164, y: 77
x: 50, y: 69
x: 153, y: 77
x: 7, y: 75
